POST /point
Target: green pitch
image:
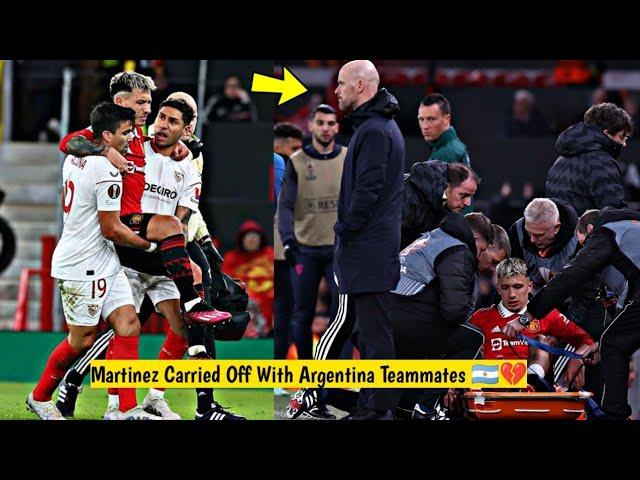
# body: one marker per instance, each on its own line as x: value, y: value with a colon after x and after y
x: 255, y: 404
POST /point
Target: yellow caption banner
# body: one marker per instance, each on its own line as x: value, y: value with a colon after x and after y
x: 309, y: 373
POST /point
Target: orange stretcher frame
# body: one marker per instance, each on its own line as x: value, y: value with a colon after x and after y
x: 489, y: 405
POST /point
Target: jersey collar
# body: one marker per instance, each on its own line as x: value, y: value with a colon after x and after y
x: 505, y: 313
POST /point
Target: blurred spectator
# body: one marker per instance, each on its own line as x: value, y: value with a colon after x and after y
x: 301, y: 118
x: 505, y: 208
x: 51, y: 133
x: 630, y: 180
x: 631, y: 105
x: 232, y: 105
x: 599, y: 95
x: 525, y: 120
x: 252, y: 262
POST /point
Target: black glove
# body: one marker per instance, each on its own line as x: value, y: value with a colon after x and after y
x: 213, y: 256
x: 290, y: 251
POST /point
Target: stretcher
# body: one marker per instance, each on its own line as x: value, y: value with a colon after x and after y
x: 493, y: 405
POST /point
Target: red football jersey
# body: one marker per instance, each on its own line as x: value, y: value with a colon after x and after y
x: 132, y: 182
x: 497, y: 346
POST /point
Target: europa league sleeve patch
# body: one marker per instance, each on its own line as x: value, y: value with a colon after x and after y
x: 114, y: 191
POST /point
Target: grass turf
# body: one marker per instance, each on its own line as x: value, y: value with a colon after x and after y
x: 255, y: 404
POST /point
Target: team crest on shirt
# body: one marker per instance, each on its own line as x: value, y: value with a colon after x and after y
x: 178, y: 176
x: 93, y: 310
x: 534, y: 326
x: 311, y: 172
x: 114, y: 191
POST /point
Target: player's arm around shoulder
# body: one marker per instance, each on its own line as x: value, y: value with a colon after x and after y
x: 82, y: 144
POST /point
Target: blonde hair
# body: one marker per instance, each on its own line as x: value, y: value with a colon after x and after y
x: 123, y: 83
x: 511, y: 267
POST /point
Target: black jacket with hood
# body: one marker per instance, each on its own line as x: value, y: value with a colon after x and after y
x: 422, y: 204
x: 586, y: 175
x: 370, y: 204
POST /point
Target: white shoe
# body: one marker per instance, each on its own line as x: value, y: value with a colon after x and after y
x: 159, y: 406
x: 44, y: 410
x: 136, y: 413
x: 112, y: 413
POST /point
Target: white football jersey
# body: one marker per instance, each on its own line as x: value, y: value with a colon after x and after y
x: 90, y: 184
x: 169, y: 183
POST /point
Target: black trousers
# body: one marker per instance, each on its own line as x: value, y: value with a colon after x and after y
x: 332, y: 346
x: 312, y: 263
x: 417, y: 335
x: 375, y: 341
x: 340, y: 329
x: 619, y: 341
x: 282, y: 309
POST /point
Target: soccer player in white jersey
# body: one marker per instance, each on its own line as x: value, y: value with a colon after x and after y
x: 207, y: 408
x: 90, y: 277
x: 171, y: 188
x: 199, y: 244
x: 130, y: 89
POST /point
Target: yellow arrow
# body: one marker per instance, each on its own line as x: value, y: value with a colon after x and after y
x: 289, y: 88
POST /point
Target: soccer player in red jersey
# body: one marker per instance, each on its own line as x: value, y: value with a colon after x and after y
x: 133, y: 90
x: 514, y: 286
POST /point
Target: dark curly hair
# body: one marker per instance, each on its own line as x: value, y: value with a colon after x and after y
x: 610, y: 117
